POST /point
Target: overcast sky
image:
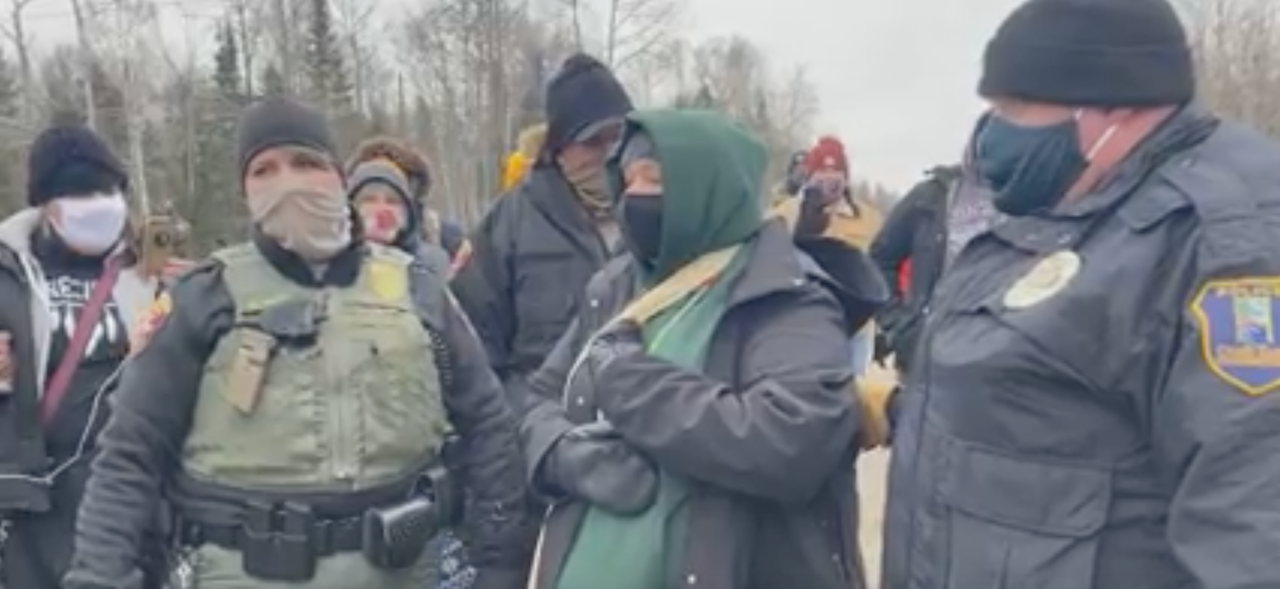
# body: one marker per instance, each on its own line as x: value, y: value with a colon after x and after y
x: 896, y: 77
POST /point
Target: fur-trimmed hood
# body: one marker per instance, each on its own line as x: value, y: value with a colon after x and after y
x: 530, y: 141
x: 528, y: 145
x: 411, y: 162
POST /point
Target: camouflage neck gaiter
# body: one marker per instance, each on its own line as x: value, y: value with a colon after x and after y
x: 592, y: 187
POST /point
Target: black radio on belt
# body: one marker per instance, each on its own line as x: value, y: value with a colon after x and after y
x: 277, y: 542
x: 396, y: 536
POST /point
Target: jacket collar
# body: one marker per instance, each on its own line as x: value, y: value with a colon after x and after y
x: 777, y: 266
x: 1185, y: 128
x: 548, y: 191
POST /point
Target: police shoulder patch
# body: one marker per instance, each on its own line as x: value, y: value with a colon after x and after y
x: 150, y: 321
x: 1236, y: 319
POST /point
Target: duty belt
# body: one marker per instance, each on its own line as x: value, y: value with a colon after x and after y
x: 326, y: 537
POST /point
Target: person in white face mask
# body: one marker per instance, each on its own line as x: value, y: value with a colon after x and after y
x: 66, y: 300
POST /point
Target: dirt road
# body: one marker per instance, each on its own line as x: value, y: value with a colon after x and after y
x: 872, y: 471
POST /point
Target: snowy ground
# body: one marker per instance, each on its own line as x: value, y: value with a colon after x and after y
x: 872, y: 472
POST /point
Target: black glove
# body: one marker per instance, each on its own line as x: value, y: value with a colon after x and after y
x: 893, y: 410
x: 883, y: 349
x: 593, y: 463
x: 903, y: 337
x: 813, y: 218
x: 499, y: 579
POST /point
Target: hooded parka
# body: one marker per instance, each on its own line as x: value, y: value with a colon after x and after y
x: 764, y: 436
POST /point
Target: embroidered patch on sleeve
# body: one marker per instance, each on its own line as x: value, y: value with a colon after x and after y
x: 150, y: 322
x: 1236, y: 319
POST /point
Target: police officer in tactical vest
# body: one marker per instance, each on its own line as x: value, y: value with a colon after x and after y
x: 310, y: 407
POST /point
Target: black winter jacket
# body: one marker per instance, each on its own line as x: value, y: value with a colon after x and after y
x: 533, y: 254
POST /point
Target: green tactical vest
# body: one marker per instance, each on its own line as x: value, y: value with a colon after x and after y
x: 360, y: 409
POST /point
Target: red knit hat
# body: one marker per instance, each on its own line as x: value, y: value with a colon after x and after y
x: 828, y: 155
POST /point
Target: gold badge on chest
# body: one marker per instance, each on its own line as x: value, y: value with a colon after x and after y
x: 1045, y: 279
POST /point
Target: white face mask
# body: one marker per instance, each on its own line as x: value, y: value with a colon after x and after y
x: 91, y: 224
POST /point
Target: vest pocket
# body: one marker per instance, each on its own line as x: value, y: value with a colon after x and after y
x: 1015, y: 523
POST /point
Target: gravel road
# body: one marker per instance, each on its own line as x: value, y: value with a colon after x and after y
x: 872, y: 473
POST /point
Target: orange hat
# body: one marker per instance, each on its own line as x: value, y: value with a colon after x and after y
x: 827, y: 155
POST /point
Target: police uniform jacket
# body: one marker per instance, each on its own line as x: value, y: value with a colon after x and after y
x: 1096, y: 403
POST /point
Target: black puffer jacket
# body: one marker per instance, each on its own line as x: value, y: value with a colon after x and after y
x: 532, y: 256
x: 915, y: 231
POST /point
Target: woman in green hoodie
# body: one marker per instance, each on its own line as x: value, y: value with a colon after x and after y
x: 697, y: 427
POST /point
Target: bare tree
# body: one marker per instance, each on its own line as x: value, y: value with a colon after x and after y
x: 283, y: 34
x: 248, y: 27
x: 1237, y: 50
x: 81, y: 12
x: 628, y: 30
x: 732, y: 75
x: 16, y: 31
x: 354, y: 19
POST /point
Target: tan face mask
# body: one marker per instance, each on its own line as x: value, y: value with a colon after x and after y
x: 591, y: 183
x: 309, y: 221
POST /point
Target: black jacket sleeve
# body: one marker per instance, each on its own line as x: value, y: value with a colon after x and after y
x: 1215, y: 437
x: 777, y: 437
x: 141, y: 444
x: 893, y: 244
x: 544, y: 420
x: 497, y: 526
x: 483, y: 288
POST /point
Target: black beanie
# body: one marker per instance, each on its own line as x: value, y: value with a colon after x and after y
x: 277, y: 121
x: 1109, y: 53
x: 581, y: 93
x: 71, y: 160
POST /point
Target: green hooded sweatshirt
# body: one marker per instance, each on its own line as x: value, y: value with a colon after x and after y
x: 712, y: 171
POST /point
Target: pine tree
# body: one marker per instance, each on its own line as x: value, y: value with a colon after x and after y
x: 379, y: 120
x: 11, y: 195
x: 704, y: 98
x: 10, y: 98
x: 424, y: 129
x: 326, y: 73
x: 226, y: 73
x: 273, y: 82
x: 531, y: 102
x: 108, y: 101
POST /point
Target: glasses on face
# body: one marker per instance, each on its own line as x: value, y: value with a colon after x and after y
x: 601, y: 134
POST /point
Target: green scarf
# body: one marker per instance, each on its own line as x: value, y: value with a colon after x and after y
x: 637, y: 552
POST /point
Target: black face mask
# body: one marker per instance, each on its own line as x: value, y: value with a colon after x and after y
x: 640, y: 218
